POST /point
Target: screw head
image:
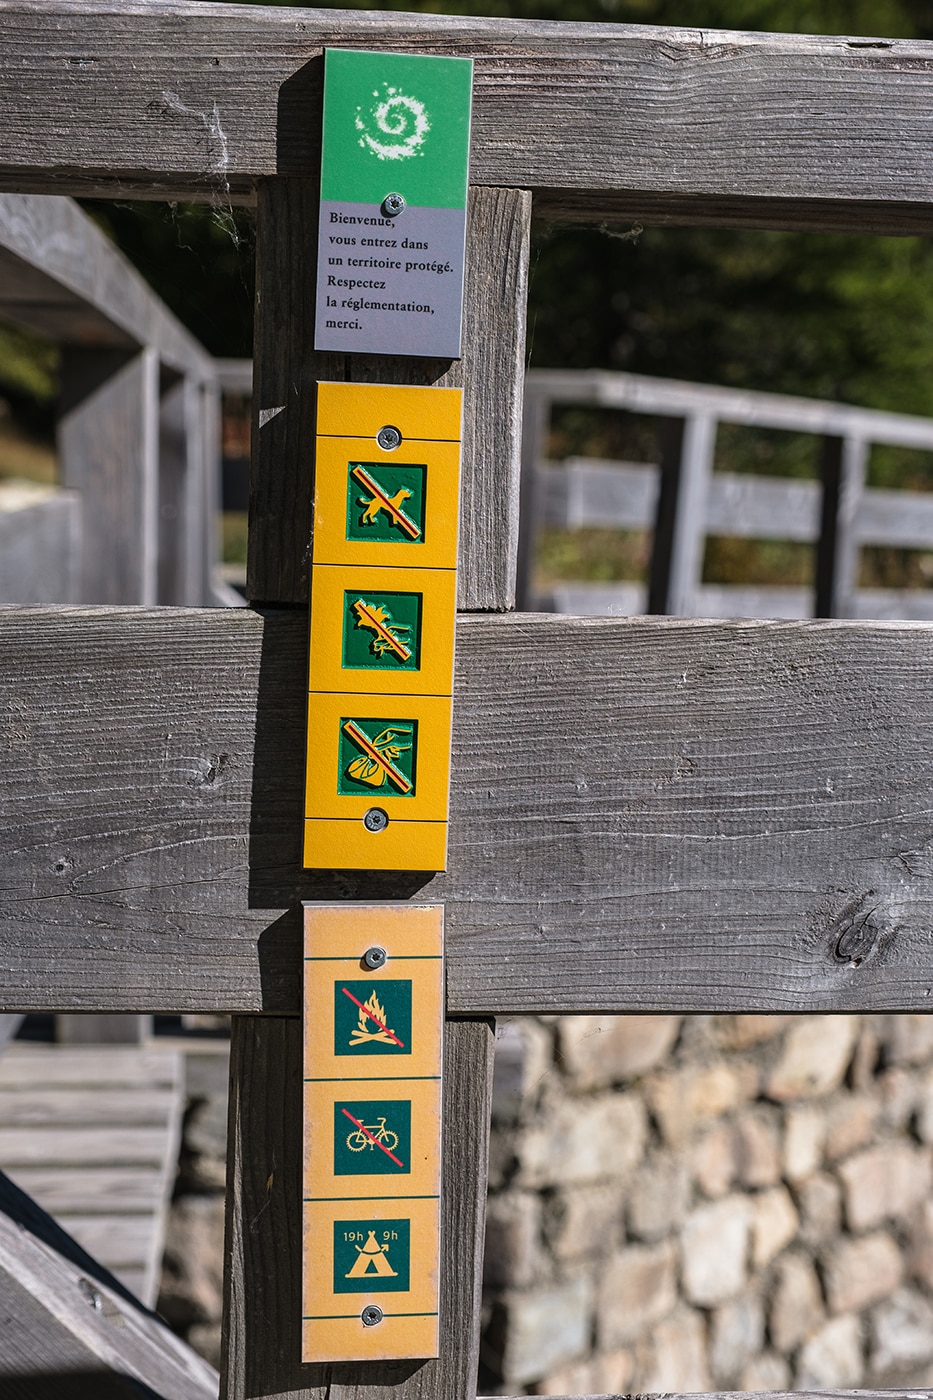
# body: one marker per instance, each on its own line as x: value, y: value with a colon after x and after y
x: 376, y: 819
x: 371, y: 1314
x: 375, y: 957
x: 393, y: 204
x: 389, y: 438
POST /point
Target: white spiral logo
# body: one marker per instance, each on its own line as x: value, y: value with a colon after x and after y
x: 394, y: 127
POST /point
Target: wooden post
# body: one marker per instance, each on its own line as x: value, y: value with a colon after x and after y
x: 843, y: 465
x: 687, y: 448
x: 108, y: 449
x: 261, y: 1348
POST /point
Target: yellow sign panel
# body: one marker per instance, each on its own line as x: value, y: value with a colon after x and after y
x: 383, y: 598
x: 383, y: 631
x: 348, y: 410
x: 396, y: 509
x: 373, y: 1033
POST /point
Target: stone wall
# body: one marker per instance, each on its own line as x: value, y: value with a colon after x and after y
x: 191, y: 1295
x: 716, y: 1202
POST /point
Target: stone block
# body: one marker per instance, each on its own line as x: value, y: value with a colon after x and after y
x: 546, y: 1329
x: 860, y: 1272
x: 804, y: 1133
x: 583, y: 1141
x: 814, y: 1058
x: 658, y: 1197
x: 758, y: 1154
x: 638, y: 1288
x: 832, y: 1358
x: 678, y: 1363
x: 920, y: 1252
x: 924, y: 1109
x: 596, y: 1051
x: 765, y: 1372
x: 819, y: 1201
x: 715, y: 1160
x: 907, y: 1038
x: 899, y: 1092
x: 514, y: 1257
x: 714, y: 1245
x: 737, y: 1334
x: 901, y: 1336
x: 740, y: 1032
x: 797, y: 1303
x: 524, y: 1059
x: 850, y: 1123
x: 584, y: 1221
x: 681, y: 1100
x: 774, y: 1224
x: 886, y: 1182
x: 608, y: 1373
x: 193, y: 1264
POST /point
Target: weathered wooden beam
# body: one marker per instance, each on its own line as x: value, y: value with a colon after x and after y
x: 63, y: 278
x: 264, y: 1235
x: 614, y: 120
x: 666, y: 816
x: 69, y: 1327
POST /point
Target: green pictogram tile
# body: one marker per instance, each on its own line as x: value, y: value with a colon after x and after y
x: 372, y: 1018
x: 372, y: 1256
x: 381, y: 631
x: 377, y: 756
x: 372, y: 1137
x: 385, y: 503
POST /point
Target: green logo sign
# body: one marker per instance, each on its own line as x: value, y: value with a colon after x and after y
x: 372, y: 1256
x: 381, y: 631
x: 372, y: 1019
x: 377, y: 755
x: 372, y: 1138
x: 396, y: 121
x: 386, y: 503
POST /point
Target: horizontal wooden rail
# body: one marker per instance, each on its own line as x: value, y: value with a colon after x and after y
x: 63, y: 279
x: 642, y: 393
x: 615, y: 120
x: 666, y: 816
x: 582, y: 492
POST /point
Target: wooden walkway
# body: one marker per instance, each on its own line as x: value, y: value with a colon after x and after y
x: 92, y: 1134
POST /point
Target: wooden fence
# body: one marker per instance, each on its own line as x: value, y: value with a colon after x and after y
x: 138, y: 425
x: 683, y: 500
x: 652, y: 814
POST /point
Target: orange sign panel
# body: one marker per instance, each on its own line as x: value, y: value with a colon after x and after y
x: 373, y: 1034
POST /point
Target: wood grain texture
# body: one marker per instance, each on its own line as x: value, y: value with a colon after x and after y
x: 69, y: 1328
x: 263, y: 1279
x: 287, y: 370
x: 606, y: 120
x: 665, y: 816
x: 108, y: 447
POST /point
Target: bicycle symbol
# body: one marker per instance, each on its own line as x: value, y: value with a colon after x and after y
x: 375, y: 1134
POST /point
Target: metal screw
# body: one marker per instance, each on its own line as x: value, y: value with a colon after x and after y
x: 376, y: 819
x: 371, y: 1315
x: 389, y: 438
x: 393, y: 204
x: 90, y: 1294
x: 375, y: 957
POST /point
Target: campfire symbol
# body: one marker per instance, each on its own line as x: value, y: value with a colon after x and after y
x: 372, y: 1011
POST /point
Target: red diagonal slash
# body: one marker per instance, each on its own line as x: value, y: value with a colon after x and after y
x: 366, y: 1012
x: 365, y: 1131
